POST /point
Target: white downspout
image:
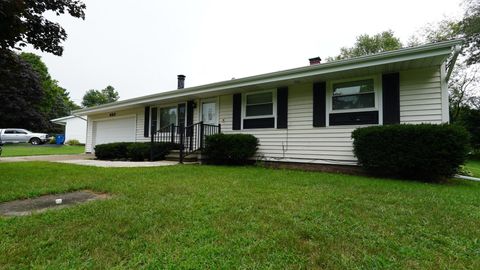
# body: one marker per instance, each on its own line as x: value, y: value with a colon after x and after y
x: 456, y: 52
x: 445, y: 73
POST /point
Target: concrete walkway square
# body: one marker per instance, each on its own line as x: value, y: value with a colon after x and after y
x: 88, y: 160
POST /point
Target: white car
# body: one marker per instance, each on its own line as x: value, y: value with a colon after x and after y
x: 18, y: 135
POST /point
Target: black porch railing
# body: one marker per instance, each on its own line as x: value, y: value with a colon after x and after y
x: 189, y: 139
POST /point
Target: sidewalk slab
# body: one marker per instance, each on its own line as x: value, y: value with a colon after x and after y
x: 46, y: 158
x: 118, y: 164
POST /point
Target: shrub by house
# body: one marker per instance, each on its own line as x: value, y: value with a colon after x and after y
x: 230, y: 149
x: 73, y: 142
x: 132, y: 151
x: 426, y: 152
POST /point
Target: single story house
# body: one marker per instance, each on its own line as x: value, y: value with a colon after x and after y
x: 302, y: 115
x: 75, y: 127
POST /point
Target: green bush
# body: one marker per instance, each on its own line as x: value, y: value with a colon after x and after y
x: 475, y: 155
x: 160, y: 150
x: 132, y: 151
x: 425, y: 152
x: 138, y: 151
x: 112, y: 151
x: 232, y: 149
x: 470, y: 120
x: 73, y: 142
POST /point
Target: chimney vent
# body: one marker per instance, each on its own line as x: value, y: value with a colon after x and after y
x: 315, y: 61
x: 181, y: 81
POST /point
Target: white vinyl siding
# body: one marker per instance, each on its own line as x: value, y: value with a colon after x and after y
x: 420, y: 96
x: 75, y: 129
x: 420, y: 101
x: 301, y: 142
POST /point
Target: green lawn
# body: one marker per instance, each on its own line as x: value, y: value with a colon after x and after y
x: 14, y: 150
x: 474, y: 167
x: 192, y: 216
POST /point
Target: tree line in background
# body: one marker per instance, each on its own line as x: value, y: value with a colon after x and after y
x: 30, y: 97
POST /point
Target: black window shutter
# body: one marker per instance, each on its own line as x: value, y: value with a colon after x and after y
x: 181, y: 114
x: 391, y: 98
x: 319, y: 104
x: 146, y: 122
x: 154, y: 121
x: 190, y: 105
x: 282, y: 107
x: 237, y: 112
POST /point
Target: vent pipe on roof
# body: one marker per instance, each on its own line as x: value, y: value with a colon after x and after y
x: 181, y: 81
x: 315, y: 61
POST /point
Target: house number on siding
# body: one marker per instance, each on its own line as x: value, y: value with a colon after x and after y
x: 112, y: 114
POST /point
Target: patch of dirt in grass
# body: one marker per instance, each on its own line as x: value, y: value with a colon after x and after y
x: 46, y: 202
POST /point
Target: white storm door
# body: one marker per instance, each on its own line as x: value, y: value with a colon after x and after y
x: 210, y: 112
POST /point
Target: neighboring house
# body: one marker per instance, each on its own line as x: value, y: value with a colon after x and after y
x: 303, y: 115
x: 75, y: 127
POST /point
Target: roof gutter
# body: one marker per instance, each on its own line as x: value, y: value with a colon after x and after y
x: 59, y: 120
x: 404, y: 54
x: 456, y: 52
x: 78, y: 116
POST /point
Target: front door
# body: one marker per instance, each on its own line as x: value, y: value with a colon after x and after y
x: 210, y: 112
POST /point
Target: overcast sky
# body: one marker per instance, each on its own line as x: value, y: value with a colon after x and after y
x: 139, y: 46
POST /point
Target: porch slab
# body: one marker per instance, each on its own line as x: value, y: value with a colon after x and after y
x: 118, y: 164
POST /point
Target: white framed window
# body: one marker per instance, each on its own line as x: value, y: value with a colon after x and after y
x: 259, y: 105
x: 167, y: 116
x: 353, y: 95
x: 161, y: 117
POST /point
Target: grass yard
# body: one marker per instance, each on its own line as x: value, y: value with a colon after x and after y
x: 15, y: 150
x: 191, y: 216
x: 474, y: 167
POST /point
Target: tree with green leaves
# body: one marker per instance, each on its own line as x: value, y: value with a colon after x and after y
x: 467, y: 28
x: 463, y: 87
x: 23, y: 22
x: 446, y: 29
x: 98, y: 97
x: 366, y: 44
x: 21, y: 94
x: 56, y: 101
x: 470, y: 30
x: 464, y: 83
